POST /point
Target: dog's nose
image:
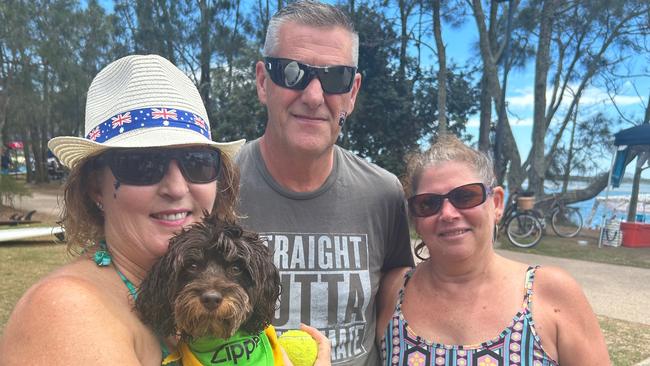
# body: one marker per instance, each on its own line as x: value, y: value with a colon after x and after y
x: 211, y: 299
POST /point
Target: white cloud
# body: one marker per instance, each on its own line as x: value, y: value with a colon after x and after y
x: 522, y: 100
x: 521, y: 121
x: 475, y: 122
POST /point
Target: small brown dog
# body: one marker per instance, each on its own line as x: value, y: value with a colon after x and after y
x: 216, y: 281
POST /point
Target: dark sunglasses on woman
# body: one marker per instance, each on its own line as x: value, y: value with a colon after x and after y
x: 144, y: 166
x: 463, y: 197
x: 295, y: 75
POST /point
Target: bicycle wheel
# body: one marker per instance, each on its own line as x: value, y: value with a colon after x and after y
x: 566, y: 221
x: 524, y: 230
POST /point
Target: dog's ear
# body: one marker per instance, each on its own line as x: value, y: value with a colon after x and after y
x: 156, y: 294
x: 266, y: 284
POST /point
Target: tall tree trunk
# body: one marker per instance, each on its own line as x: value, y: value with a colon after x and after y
x: 485, y: 116
x: 634, y: 196
x: 442, y: 70
x: 231, y: 50
x: 537, y: 169
x: 485, y: 128
x: 205, y: 56
x: 404, y: 13
x: 4, y: 95
x: 569, y: 159
x: 508, y: 151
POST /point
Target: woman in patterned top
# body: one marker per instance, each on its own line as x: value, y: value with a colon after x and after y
x: 465, y: 304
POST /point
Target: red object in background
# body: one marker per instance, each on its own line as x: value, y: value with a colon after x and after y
x: 635, y: 234
x: 15, y: 144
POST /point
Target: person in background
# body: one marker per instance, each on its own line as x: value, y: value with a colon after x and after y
x: 335, y: 222
x: 146, y: 168
x: 465, y: 304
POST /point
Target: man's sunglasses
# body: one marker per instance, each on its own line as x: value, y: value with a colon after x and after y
x: 143, y: 167
x: 467, y: 196
x: 295, y: 75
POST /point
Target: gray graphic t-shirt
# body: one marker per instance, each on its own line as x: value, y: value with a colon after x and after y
x: 330, y: 246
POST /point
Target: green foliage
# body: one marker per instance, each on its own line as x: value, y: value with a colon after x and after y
x: 236, y: 111
x: 51, y: 50
x: 396, y: 113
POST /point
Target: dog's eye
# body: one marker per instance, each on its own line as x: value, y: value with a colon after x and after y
x: 193, y: 266
x: 235, y: 269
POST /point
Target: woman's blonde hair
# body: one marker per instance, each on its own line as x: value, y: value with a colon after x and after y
x: 448, y: 148
x: 84, y: 222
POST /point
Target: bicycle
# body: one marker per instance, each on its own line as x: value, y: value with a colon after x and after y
x: 523, y: 228
x: 566, y: 221
x: 524, y: 232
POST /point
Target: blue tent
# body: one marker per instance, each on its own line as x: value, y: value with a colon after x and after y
x: 635, y: 138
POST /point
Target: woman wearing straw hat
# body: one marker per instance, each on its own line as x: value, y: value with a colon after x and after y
x: 466, y: 304
x: 146, y: 168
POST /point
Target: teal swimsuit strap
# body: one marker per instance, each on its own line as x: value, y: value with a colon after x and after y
x: 103, y: 258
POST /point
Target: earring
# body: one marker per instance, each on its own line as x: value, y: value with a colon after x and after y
x: 100, y: 207
x: 495, y: 234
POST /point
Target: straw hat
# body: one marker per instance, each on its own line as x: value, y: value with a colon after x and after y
x: 140, y: 101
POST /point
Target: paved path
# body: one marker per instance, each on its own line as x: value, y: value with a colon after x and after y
x: 43, y: 203
x: 614, y: 291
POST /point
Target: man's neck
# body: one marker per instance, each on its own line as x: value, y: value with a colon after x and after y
x: 295, y: 171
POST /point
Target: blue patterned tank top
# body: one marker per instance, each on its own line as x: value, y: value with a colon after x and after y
x: 518, y: 344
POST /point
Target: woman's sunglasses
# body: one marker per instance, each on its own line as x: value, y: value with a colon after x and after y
x: 143, y: 167
x: 295, y: 75
x: 467, y: 196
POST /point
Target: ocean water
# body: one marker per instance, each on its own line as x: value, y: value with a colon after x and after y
x: 625, y: 190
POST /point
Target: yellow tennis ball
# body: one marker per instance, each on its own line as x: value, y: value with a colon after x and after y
x: 301, y: 348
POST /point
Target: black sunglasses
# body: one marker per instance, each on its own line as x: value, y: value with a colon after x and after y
x: 143, y: 167
x: 467, y: 196
x: 295, y: 75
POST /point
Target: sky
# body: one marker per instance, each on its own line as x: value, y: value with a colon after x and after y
x: 461, y: 46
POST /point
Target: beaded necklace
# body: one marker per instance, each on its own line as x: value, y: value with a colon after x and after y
x: 103, y: 258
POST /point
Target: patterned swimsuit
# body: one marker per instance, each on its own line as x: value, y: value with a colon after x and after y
x: 518, y: 344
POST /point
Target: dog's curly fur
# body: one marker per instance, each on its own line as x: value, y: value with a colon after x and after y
x: 215, y: 279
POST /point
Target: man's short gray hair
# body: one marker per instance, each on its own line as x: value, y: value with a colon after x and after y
x: 313, y: 14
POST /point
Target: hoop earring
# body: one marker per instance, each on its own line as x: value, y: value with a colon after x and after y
x: 495, y: 234
x: 418, y: 250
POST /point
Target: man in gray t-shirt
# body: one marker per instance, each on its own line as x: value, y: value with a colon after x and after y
x: 335, y: 223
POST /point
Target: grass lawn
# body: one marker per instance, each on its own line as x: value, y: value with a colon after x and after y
x: 23, y: 264
x: 628, y: 343
x: 555, y: 246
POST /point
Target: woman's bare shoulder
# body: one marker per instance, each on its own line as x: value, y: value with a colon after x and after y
x: 59, y: 319
x: 555, y: 283
x: 560, y: 304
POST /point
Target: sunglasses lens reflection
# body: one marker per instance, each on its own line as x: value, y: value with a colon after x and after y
x: 294, y: 75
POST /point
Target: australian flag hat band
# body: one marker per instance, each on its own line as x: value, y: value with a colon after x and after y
x: 146, y: 118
